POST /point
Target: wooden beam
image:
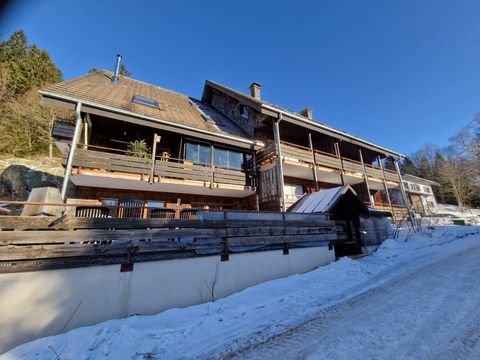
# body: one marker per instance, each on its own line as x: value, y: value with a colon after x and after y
x: 339, y: 156
x: 279, y: 164
x: 315, y: 177
x: 67, y: 223
x: 156, y: 140
x: 386, y: 187
x: 87, y: 236
x: 169, y: 127
x: 365, y: 176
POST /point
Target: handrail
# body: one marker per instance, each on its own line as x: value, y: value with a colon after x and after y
x: 320, y: 152
x: 388, y: 206
x: 14, y: 202
x: 161, y: 159
x: 79, y: 145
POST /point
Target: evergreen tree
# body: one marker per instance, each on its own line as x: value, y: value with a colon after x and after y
x: 25, y: 123
x: 27, y: 65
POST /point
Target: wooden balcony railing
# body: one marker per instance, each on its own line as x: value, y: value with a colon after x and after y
x: 324, y: 159
x: 399, y: 211
x: 163, y: 168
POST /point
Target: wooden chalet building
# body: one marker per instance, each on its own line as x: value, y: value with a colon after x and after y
x: 220, y: 152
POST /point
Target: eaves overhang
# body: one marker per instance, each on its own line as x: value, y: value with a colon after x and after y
x: 89, y: 106
x: 316, y: 126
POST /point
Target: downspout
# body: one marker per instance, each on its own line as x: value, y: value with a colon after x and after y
x: 280, y: 180
x: 71, y: 152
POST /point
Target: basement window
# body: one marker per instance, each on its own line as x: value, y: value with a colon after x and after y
x: 145, y: 101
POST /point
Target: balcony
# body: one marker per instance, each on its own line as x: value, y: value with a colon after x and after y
x: 399, y: 212
x: 298, y: 162
x: 96, y: 166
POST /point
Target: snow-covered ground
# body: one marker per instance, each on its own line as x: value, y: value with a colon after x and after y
x: 416, y: 297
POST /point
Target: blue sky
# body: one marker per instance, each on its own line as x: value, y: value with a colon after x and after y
x: 398, y: 73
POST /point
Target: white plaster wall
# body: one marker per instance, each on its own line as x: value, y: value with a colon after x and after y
x: 42, y: 303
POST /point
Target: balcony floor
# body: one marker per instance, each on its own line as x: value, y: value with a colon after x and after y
x: 167, y: 185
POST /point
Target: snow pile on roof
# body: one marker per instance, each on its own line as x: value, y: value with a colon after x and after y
x: 257, y: 312
x: 320, y: 201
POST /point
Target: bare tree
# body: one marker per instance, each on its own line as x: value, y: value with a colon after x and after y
x: 457, y: 173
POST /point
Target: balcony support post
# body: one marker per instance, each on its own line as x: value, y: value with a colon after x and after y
x: 279, y: 165
x: 365, y: 177
x: 339, y: 156
x: 386, y: 187
x: 256, y: 181
x: 156, y: 140
x: 212, y: 166
x: 404, y: 193
x: 315, y: 177
x: 73, y: 146
x: 87, y: 124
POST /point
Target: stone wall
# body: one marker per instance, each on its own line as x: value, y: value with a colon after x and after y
x: 19, y: 176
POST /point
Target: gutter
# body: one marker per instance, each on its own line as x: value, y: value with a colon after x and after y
x: 339, y: 132
x: 149, y: 118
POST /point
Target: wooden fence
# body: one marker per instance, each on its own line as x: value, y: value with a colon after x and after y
x: 41, y: 243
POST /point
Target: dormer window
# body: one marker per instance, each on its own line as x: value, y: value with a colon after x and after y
x: 145, y: 101
x: 244, y: 111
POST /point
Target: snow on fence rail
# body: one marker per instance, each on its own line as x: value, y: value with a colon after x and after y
x: 31, y: 243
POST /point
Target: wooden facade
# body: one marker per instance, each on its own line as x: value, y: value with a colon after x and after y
x: 303, y: 156
x: 42, y: 243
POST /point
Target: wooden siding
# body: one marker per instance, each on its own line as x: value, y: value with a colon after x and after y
x: 111, y: 162
x: 323, y: 159
x: 172, y: 169
x: 40, y: 243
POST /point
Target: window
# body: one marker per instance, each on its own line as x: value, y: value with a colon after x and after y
x: 405, y: 185
x: 155, y: 204
x: 197, y: 152
x: 293, y: 192
x: 415, y: 187
x: 228, y: 158
x: 221, y: 157
x: 427, y: 189
x: 244, y: 111
x: 144, y: 101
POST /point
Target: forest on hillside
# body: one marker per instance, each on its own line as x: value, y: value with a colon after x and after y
x: 26, y: 125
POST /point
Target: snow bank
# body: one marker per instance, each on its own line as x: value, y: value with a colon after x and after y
x: 255, y: 313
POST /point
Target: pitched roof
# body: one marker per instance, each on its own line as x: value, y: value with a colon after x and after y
x: 322, y: 200
x: 419, y: 180
x: 260, y: 102
x: 97, y: 87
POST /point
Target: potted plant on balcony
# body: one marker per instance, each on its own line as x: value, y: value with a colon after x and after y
x: 138, y: 148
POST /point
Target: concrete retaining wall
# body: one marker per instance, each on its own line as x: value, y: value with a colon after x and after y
x: 43, y: 303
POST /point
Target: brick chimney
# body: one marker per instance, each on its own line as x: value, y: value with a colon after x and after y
x: 308, y: 113
x: 255, y: 90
